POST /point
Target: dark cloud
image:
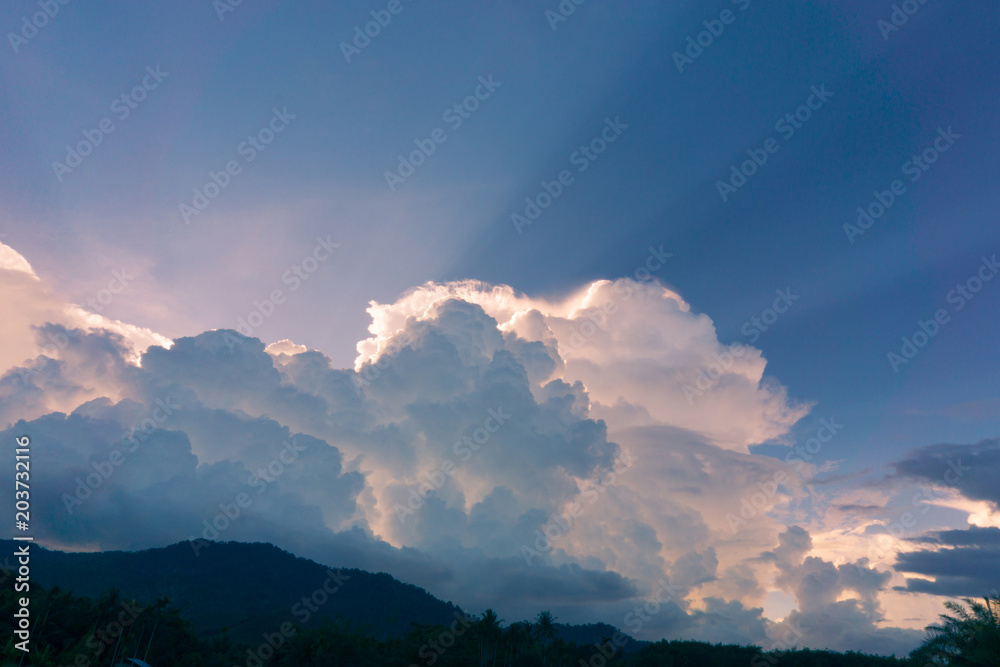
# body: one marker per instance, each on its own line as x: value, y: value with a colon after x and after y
x: 965, y: 563
x: 960, y: 562
x: 974, y: 536
x: 858, y: 508
x: 971, y: 469
x: 693, y: 569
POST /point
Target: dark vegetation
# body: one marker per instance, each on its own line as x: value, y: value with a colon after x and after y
x: 230, y: 591
x: 247, y: 588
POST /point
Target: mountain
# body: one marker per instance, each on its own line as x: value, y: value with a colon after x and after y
x: 248, y: 588
x: 594, y: 633
x: 252, y: 588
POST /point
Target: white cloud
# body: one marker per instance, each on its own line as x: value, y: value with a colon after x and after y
x: 519, y: 411
x: 633, y: 345
x: 27, y: 303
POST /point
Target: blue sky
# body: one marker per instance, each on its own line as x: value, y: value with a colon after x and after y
x: 655, y: 185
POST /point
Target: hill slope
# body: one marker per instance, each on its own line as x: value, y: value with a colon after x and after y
x: 249, y: 588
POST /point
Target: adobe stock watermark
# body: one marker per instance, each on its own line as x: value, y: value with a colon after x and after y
x: 223, y: 7
x: 963, y: 293
x: 759, y: 501
x: 38, y: 20
x: 581, y: 158
x: 381, y: 18
x: 102, y: 639
x: 116, y: 285
x: 786, y: 642
x: 786, y: 126
x: 119, y: 281
x: 122, y: 107
x: 248, y: 149
x: 915, y: 167
x: 463, y: 448
x: 557, y: 526
x: 372, y: 371
x: 640, y: 615
x: 597, y: 317
x: 562, y: 12
x: 303, y: 610
x: 432, y: 651
x: 696, y: 44
x: 59, y: 341
x: 455, y: 116
x: 106, y: 466
x: 899, y: 17
x: 259, y: 480
x: 294, y: 276
x: 752, y: 329
x: 885, y: 543
x: 636, y: 621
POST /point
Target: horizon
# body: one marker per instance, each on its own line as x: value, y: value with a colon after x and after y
x: 588, y: 297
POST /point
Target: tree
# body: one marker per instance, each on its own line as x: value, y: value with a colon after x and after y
x: 545, y: 628
x: 489, y: 633
x: 518, y: 641
x: 966, y: 636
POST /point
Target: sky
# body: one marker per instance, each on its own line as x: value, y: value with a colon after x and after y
x: 677, y: 242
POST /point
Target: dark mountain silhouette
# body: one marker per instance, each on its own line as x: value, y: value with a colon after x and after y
x: 249, y: 588
x: 228, y: 604
x: 594, y: 633
x: 252, y: 588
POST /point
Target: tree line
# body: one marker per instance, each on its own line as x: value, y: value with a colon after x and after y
x: 77, y: 631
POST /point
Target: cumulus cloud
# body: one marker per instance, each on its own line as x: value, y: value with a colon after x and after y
x: 551, y: 443
x: 837, y: 605
x: 635, y: 346
x: 28, y: 305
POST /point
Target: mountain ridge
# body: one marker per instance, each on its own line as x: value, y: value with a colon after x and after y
x: 232, y: 586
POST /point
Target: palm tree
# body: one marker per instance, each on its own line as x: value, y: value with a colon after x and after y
x: 489, y: 633
x: 968, y: 637
x: 518, y: 637
x: 545, y: 628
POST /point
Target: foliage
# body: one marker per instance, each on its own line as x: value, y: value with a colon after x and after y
x: 370, y: 623
x: 191, y: 573
x: 966, y: 636
x: 71, y: 630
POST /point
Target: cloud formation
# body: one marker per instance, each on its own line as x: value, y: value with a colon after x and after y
x: 955, y: 563
x: 550, y: 443
x: 28, y: 306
